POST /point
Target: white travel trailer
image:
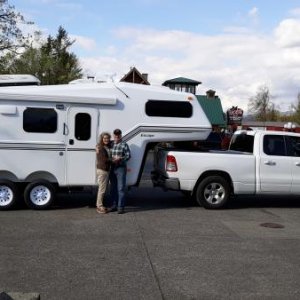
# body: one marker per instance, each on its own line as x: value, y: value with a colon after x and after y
x: 48, y: 133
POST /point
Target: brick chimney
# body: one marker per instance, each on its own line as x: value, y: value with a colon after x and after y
x: 145, y: 76
x: 210, y: 94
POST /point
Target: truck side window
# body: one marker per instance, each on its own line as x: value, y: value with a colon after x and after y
x: 82, y: 126
x: 39, y: 120
x: 173, y: 109
x: 293, y: 145
x: 274, y: 145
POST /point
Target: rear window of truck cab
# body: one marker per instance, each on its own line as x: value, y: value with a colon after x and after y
x: 242, y: 142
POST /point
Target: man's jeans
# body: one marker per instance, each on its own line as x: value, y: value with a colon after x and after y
x: 118, y: 185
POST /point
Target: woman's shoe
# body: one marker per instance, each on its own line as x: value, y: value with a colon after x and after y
x: 101, y: 210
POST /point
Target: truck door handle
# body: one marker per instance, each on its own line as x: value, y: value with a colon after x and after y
x: 297, y: 163
x: 71, y: 141
x: 269, y: 163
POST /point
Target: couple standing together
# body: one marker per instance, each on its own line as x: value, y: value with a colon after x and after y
x: 112, y: 157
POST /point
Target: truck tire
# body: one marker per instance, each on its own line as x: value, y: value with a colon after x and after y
x: 39, y: 194
x: 213, y: 192
x: 8, y: 194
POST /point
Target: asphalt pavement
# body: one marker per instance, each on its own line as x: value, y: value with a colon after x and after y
x: 163, y: 247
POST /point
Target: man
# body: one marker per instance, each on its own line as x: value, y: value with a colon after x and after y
x: 120, y: 154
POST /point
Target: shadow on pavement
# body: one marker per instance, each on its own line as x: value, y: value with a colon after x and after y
x: 242, y: 202
x: 149, y: 198
x: 138, y: 199
x: 141, y: 199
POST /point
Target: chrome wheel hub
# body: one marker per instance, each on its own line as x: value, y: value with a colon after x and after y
x: 214, y: 193
x: 40, y: 195
x: 6, y: 195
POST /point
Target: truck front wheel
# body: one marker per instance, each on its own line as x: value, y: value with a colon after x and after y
x: 213, y: 192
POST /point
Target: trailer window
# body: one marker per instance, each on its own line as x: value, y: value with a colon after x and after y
x: 82, y: 126
x: 173, y: 109
x: 40, y: 120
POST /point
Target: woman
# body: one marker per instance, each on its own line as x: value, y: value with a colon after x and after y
x: 103, y: 167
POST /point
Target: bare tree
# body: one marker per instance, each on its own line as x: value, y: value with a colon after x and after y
x: 261, y: 106
x: 11, y: 36
x: 296, y: 110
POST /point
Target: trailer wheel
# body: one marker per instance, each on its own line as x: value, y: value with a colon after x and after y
x: 8, y: 194
x: 213, y: 192
x: 39, y: 194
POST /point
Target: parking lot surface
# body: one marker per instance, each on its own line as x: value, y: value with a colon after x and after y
x: 163, y: 247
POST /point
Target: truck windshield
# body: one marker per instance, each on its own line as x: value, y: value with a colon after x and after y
x: 242, y: 142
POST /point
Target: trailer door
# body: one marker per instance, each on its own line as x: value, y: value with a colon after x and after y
x: 81, y: 138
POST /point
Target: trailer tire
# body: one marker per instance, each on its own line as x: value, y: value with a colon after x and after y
x: 213, y: 192
x: 8, y: 194
x: 39, y: 194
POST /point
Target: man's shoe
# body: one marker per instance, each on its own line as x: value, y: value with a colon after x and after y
x: 121, y: 211
x: 112, y: 209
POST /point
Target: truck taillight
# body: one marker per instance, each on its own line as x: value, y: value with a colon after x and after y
x: 171, y: 165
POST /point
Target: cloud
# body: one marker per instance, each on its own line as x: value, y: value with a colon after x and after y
x: 288, y: 33
x: 237, y: 30
x: 253, y: 16
x: 253, y: 13
x: 295, y: 12
x: 84, y: 42
x: 103, y: 68
x: 234, y: 64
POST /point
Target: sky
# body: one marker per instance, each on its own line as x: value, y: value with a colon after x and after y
x: 231, y: 46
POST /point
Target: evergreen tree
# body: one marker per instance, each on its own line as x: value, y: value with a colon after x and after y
x: 60, y: 66
x: 52, y: 62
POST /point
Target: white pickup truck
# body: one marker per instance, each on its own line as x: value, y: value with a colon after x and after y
x: 257, y: 162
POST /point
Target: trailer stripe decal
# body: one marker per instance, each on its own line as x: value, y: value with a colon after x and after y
x: 126, y: 138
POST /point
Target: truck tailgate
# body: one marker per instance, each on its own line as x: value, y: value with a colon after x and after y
x: 191, y: 165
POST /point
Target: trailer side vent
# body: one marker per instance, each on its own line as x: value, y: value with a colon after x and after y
x: 8, y: 110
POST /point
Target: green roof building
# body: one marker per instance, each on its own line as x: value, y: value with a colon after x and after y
x: 182, y: 84
x: 211, y: 104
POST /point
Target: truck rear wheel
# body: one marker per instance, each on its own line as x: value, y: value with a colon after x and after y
x: 39, y: 194
x: 213, y: 192
x: 8, y: 194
